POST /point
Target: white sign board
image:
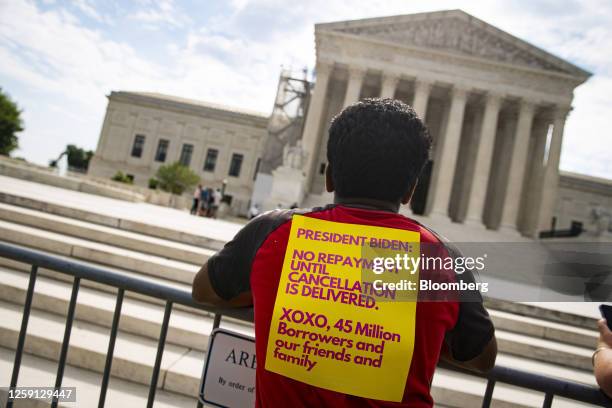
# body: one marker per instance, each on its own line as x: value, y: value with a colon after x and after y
x: 228, y: 379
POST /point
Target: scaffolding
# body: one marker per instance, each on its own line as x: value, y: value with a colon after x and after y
x: 287, y: 119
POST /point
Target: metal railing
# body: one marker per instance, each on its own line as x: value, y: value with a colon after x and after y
x: 551, y: 387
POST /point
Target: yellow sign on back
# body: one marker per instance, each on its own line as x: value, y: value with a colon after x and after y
x: 331, y: 327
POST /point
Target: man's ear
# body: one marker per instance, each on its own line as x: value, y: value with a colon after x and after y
x: 329, y: 182
x: 406, y: 199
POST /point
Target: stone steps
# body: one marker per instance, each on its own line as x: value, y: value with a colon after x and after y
x: 533, y: 337
x: 543, y: 329
x: 576, y: 314
x: 181, y: 367
x: 175, y: 272
x: 121, y: 393
x: 454, y: 389
x: 9, y: 265
x: 133, y: 358
x: 544, y: 350
x: 105, y: 254
x: 191, y: 330
x: 104, y: 234
x: 19, y: 266
x: 97, y: 307
x: 165, y: 223
x: 542, y: 346
x: 196, y: 255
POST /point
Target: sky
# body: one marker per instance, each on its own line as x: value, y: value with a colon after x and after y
x: 59, y: 59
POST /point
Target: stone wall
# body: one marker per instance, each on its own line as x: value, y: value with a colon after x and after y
x: 179, y: 122
x: 91, y: 185
x: 579, y: 195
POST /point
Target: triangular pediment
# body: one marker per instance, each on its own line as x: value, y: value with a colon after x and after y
x: 456, y: 32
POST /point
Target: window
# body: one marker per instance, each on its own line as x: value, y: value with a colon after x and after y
x: 235, y: 165
x: 257, y: 168
x: 322, y: 168
x: 162, y: 150
x: 186, y: 153
x: 211, y: 159
x: 138, y: 146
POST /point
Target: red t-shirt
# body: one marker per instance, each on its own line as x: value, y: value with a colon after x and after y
x: 253, y: 261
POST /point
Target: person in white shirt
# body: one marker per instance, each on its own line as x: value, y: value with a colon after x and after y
x: 196, y: 200
x: 216, y: 202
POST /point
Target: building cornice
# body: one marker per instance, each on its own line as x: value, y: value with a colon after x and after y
x: 584, y: 182
x: 462, y: 15
x: 454, y: 56
x: 196, y: 108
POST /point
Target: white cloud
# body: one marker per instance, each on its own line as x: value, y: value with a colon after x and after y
x: 587, y: 144
x: 87, y: 8
x: 159, y: 13
x: 62, y: 68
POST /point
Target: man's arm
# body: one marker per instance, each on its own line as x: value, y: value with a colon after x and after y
x: 483, y: 362
x: 471, y: 343
x: 225, y: 279
x: 203, y: 292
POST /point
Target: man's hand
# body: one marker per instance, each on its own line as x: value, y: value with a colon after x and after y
x: 202, y: 291
x: 603, y: 359
x: 605, y: 335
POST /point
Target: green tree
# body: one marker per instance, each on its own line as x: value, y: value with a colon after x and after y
x: 122, y: 178
x: 78, y: 158
x: 176, y: 178
x: 10, y: 124
x: 153, y: 182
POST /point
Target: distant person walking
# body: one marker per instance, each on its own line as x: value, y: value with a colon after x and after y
x: 204, y: 194
x: 209, y: 201
x: 196, y: 200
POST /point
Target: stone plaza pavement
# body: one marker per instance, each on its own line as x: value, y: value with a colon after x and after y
x: 155, y: 215
x: 111, y: 211
x: 168, y: 246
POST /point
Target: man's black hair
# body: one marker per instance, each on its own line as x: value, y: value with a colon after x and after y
x: 377, y: 149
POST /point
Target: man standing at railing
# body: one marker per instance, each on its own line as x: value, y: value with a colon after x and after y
x: 376, y: 151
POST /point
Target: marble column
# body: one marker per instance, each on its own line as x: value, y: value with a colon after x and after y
x: 422, y: 89
x: 444, y: 166
x: 310, y: 138
x: 353, y: 88
x: 389, y: 84
x: 516, y: 171
x: 482, y: 166
x: 534, y: 179
x: 551, y: 170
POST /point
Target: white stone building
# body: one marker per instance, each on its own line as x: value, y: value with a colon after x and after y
x: 142, y: 131
x: 495, y: 106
